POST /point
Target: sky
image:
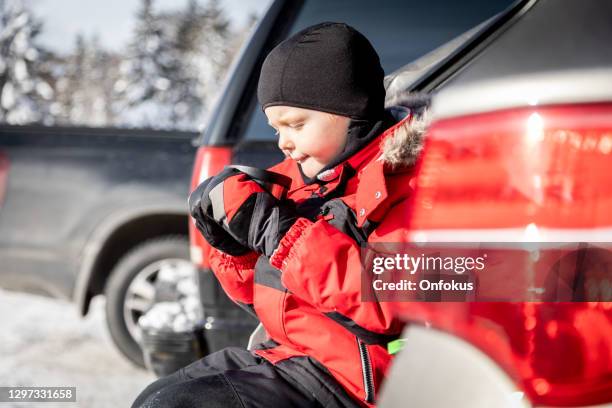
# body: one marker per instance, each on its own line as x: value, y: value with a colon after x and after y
x: 112, y: 20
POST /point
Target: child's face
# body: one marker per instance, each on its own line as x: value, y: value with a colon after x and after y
x: 312, y: 138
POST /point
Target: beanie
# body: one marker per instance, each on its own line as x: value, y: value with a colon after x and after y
x: 328, y: 67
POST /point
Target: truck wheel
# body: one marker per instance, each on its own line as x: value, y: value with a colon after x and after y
x: 130, y: 290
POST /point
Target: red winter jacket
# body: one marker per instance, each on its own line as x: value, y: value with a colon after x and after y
x: 310, y: 300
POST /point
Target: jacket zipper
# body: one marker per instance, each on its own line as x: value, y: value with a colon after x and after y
x: 366, y: 370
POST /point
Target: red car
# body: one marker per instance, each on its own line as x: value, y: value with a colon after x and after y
x: 519, y: 151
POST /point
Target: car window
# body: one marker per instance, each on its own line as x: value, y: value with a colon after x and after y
x: 401, y: 31
x: 403, y: 79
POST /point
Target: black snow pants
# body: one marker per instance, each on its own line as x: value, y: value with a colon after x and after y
x: 238, y: 378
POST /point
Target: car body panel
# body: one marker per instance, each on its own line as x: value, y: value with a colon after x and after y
x: 64, y: 184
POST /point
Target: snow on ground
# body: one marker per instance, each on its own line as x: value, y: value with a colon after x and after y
x: 43, y: 342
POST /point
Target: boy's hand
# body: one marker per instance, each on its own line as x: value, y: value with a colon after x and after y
x: 216, y: 236
x: 242, y: 209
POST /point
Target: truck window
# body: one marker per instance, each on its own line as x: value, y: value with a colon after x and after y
x: 400, y: 30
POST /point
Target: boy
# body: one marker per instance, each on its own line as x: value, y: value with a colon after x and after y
x: 295, y: 262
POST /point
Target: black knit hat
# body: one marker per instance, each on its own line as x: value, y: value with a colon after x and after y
x: 329, y: 67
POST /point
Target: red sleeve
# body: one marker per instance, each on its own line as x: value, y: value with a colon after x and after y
x: 235, y: 273
x: 322, y: 265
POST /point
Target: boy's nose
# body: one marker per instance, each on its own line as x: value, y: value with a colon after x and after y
x: 285, y: 143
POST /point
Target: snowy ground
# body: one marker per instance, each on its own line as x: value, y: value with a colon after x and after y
x: 43, y: 342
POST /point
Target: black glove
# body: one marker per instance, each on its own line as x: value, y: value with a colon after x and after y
x: 235, y: 213
x: 216, y: 236
x: 264, y: 221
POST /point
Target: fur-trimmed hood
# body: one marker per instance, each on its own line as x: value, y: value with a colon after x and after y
x: 403, y: 147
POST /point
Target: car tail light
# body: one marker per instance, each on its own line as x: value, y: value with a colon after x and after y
x: 209, y: 161
x: 531, y: 174
x: 4, y: 167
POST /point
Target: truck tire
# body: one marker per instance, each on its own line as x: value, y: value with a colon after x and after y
x: 132, y: 280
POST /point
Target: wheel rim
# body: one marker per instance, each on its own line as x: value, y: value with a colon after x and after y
x: 140, y: 294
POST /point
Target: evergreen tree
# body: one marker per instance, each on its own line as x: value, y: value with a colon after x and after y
x: 216, y: 52
x: 187, y: 96
x: 205, y: 42
x: 69, y: 83
x: 25, y: 92
x: 148, y: 72
x: 84, y: 86
x: 107, y: 73
x: 175, y: 65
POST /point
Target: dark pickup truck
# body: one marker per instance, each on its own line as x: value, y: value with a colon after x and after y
x: 94, y: 211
